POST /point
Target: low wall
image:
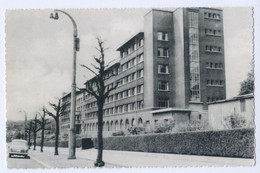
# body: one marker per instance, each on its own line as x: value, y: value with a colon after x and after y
x: 225, y: 143
x: 61, y: 144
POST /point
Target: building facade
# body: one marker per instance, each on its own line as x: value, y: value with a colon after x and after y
x: 65, y: 118
x: 241, y: 106
x: 171, y: 70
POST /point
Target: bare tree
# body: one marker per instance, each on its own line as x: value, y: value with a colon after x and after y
x: 101, y: 92
x: 29, y: 132
x: 35, y: 129
x: 43, y: 121
x: 59, y: 111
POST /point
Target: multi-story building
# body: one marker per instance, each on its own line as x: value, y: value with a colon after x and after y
x: 171, y: 70
x: 65, y: 118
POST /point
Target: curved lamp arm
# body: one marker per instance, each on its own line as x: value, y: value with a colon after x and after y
x: 72, y: 20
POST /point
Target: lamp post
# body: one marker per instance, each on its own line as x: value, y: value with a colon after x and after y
x: 25, y: 124
x: 72, y: 136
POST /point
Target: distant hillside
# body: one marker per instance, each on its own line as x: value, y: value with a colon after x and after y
x: 14, y: 129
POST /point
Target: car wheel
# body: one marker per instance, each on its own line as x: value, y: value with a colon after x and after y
x: 10, y: 155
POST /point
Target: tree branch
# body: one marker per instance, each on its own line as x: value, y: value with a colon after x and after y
x: 89, y: 69
x: 109, y: 90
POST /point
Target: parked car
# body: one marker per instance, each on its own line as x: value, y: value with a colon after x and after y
x: 18, y: 147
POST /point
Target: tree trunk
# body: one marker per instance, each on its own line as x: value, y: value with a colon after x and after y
x: 34, y: 140
x: 56, y: 137
x: 42, y: 138
x: 99, y: 162
x: 29, y: 140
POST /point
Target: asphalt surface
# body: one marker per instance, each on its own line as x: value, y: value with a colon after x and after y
x: 113, y: 159
x: 20, y: 162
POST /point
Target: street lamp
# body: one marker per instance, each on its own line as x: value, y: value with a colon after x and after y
x: 72, y: 136
x: 25, y: 124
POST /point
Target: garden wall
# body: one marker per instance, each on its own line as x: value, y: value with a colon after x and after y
x: 61, y: 144
x: 226, y: 143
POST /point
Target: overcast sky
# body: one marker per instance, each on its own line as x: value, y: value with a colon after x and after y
x: 39, y: 51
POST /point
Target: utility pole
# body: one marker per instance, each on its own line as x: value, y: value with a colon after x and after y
x: 72, y: 135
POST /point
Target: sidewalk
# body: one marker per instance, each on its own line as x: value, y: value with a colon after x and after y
x: 48, y: 160
x: 86, y: 158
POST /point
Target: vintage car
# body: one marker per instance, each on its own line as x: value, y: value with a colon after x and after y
x: 18, y: 147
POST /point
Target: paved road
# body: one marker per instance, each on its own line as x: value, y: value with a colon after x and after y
x: 21, y: 162
x: 86, y: 159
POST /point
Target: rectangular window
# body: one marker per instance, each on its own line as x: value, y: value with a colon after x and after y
x: 140, y: 42
x: 140, y: 73
x: 140, y: 58
x: 193, y: 29
x: 132, y: 106
x: 120, y: 109
x: 120, y: 95
x: 163, y: 69
x: 163, y: 103
x: 116, y: 109
x: 126, y: 93
x: 163, y: 52
x: 163, y: 36
x: 132, y: 92
x: 111, y: 111
x: 135, y: 47
x: 163, y: 86
x: 126, y: 108
x: 140, y: 104
x: 140, y: 89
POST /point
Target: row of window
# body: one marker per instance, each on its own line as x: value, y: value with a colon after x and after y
x: 124, y: 94
x: 118, y: 109
x: 162, y: 103
x: 214, y: 65
x: 215, y: 82
x: 79, y: 100
x: 131, y: 77
x: 124, y: 108
x: 209, y: 15
x: 133, y: 47
x: 132, y: 62
x: 212, y: 32
x: 210, y: 48
x: 114, y: 125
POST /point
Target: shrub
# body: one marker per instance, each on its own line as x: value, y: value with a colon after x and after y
x: 162, y: 126
x: 225, y: 143
x: 119, y: 133
x: 195, y: 125
x: 136, y: 130
x: 234, y: 121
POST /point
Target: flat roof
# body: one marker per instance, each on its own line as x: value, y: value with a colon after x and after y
x: 170, y: 110
x: 251, y: 95
x: 69, y: 93
x: 131, y: 39
x: 116, y: 63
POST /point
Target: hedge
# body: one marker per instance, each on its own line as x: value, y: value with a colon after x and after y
x: 226, y: 143
x: 64, y: 144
